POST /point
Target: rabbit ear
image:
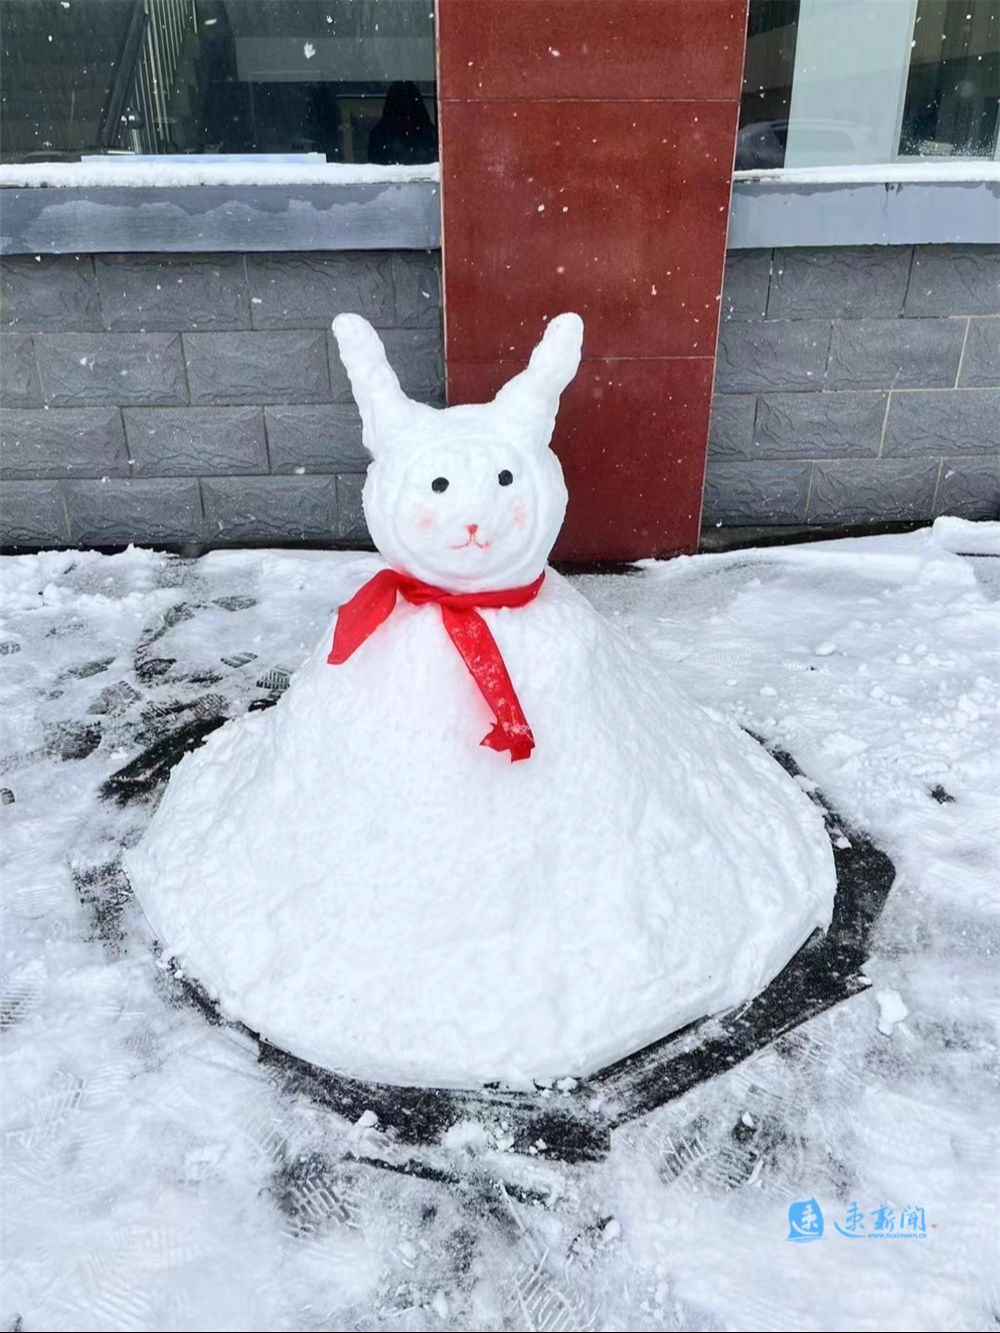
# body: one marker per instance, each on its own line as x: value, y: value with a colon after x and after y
x: 533, y: 396
x: 382, y: 403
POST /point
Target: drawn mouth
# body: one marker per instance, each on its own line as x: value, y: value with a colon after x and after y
x: 483, y: 546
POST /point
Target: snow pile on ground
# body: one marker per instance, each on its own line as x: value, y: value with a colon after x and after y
x: 965, y: 537
x: 159, y: 1176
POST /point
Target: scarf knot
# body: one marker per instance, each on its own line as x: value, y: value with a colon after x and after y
x: 375, y: 602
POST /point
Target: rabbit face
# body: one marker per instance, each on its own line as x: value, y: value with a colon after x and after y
x: 467, y: 498
x: 465, y: 509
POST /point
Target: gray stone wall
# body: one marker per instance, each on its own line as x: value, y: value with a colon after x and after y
x: 856, y: 385
x: 189, y: 398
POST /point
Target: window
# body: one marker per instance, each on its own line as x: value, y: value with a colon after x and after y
x: 855, y: 82
x: 352, y: 80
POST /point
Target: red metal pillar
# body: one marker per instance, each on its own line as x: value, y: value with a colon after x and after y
x: 586, y: 150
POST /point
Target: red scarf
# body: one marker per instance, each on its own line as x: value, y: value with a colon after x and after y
x: 375, y: 601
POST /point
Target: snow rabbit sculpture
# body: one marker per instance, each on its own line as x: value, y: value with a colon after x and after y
x: 358, y: 875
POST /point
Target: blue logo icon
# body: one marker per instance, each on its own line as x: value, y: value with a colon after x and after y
x: 805, y: 1221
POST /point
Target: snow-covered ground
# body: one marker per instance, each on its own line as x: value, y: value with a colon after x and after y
x: 159, y: 1177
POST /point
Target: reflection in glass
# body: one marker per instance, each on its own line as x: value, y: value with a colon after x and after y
x: 953, y: 89
x: 772, y: 28
x: 218, y: 76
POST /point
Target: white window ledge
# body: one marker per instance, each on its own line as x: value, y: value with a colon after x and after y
x: 197, y: 204
x: 184, y: 171
x: 956, y: 201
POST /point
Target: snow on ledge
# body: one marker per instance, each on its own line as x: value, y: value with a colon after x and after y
x: 181, y: 170
x: 926, y: 171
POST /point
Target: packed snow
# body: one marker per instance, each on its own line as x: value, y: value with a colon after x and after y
x: 965, y: 537
x: 159, y: 1176
x: 356, y: 878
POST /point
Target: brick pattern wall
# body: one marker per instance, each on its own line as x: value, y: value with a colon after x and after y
x: 855, y: 385
x: 197, y: 398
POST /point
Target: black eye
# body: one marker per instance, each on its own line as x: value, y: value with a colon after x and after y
x: 439, y: 484
x: 505, y: 478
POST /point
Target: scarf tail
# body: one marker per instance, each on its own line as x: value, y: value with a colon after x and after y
x: 478, y: 649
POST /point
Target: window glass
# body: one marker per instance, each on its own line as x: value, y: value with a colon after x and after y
x: 953, y: 88
x: 767, y: 84
x: 851, y: 82
x: 350, y: 79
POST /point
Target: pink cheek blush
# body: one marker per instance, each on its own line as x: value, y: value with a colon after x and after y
x: 425, y: 520
x: 519, y: 515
